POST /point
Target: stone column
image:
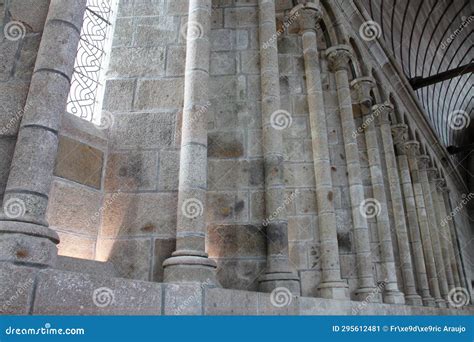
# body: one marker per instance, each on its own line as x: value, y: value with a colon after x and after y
x: 443, y: 233
x: 24, y: 233
x: 400, y: 137
x: 455, y: 244
x: 423, y: 162
x: 278, y: 272
x: 409, y: 285
x: 331, y: 285
x: 338, y: 57
x: 413, y: 150
x: 190, y: 262
x: 391, y: 293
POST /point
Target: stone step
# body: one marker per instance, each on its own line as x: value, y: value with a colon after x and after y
x: 99, y: 268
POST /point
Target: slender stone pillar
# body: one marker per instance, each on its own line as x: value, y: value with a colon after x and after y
x: 190, y: 262
x: 406, y: 264
x: 278, y: 272
x: 391, y: 293
x: 413, y: 148
x: 443, y: 233
x: 338, y: 57
x: 400, y: 137
x: 24, y: 233
x: 423, y: 163
x: 331, y: 285
x: 455, y: 244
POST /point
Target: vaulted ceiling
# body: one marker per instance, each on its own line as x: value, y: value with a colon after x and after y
x: 432, y: 40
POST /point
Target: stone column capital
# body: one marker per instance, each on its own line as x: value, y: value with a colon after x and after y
x: 383, y: 111
x: 338, y: 57
x: 400, y: 135
x: 432, y: 174
x: 308, y: 14
x: 363, y: 86
x: 423, y: 161
x: 442, y: 185
x: 412, y: 148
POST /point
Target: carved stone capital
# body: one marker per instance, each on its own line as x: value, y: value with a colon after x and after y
x: 441, y: 185
x: 308, y: 14
x: 423, y: 162
x: 400, y: 134
x: 432, y: 174
x: 384, y: 111
x: 412, y: 148
x: 363, y: 86
x: 338, y: 57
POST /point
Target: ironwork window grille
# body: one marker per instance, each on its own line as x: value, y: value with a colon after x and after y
x: 87, y: 84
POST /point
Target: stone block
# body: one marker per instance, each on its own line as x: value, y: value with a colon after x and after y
x: 131, y: 258
x: 222, y: 39
x: 128, y: 214
x: 133, y: 170
x: 76, y: 246
x: 153, y: 31
x: 160, y: 94
x: 81, y: 130
x: 310, y: 280
x: 169, y: 170
x: 79, y: 162
x: 250, y: 62
x: 119, y: 95
x: 240, y: 274
x: 240, y: 17
x: 32, y: 13
x: 225, y: 145
x: 219, y: 302
x: 68, y: 293
x: 278, y: 303
x: 257, y: 207
x: 176, y: 60
x: 142, y: 130
x: 98, y: 268
x: 149, y: 7
x: 16, y: 290
x: 177, y: 7
x: 74, y: 208
x: 12, y: 101
x: 123, y: 34
x: 137, y: 62
x: 180, y: 300
x: 224, y: 206
x: 231, y: 241
x: 223, y: 63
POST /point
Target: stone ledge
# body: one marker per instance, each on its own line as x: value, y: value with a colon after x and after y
x: 59, y: 292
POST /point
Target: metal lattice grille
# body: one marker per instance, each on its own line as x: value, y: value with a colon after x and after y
x: 88, y: 79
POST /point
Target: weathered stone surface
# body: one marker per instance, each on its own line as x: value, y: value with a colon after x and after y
x: 218, y: 302
x: 79, y: 162
x: 157, y: 94
x: 67, y: 293
x: 225, y: 145
x: 162, y: 251
x: 232, y: 241
x: 133, y: 170
x: 129, y: 62
x: 77, y: 246
x: 16, y: 290
x: 104, y: 269
x: 119, y: 95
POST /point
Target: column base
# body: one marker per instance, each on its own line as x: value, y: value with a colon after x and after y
x: 368, y: 294
x: 28, y: 244
x: 190, y: 269
x: 429, y: 301
x: 414, y: 300
x: 334, y: 290
x: 270, y: 281
x: 393, y: 297
x: 440, y: 303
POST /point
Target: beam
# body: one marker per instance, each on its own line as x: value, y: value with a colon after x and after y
x: 420, y: 82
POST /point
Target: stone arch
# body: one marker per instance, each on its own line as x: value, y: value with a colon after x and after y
x: 335, y: 27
